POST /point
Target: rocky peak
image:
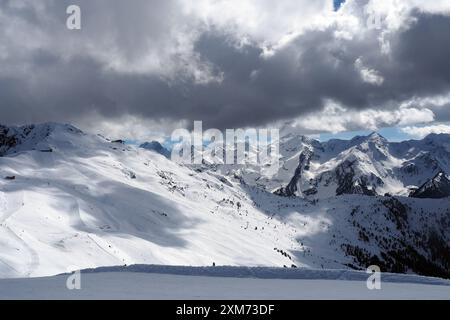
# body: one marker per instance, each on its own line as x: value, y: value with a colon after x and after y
x: 157, y: 147
x: 437, y: 187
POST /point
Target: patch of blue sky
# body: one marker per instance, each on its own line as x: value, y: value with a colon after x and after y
x: 392, y: 134
x: 337, y: 4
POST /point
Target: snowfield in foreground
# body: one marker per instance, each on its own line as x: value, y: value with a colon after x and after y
x: 187, y: 283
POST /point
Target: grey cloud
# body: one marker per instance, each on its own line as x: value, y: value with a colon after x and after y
x: 60, y: 86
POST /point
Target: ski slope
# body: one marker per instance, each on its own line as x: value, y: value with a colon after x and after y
x: 92, y: 202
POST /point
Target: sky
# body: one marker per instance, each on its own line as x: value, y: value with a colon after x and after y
x: 337, y: 4
x: 138, y: 70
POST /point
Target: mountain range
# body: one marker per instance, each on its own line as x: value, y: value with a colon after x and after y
x: 72, y: 200
x: 366, y: 165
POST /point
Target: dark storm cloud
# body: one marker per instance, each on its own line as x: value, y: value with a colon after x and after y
x: 421, y: 55
x: 51, y: 82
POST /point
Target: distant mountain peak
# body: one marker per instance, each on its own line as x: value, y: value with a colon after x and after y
x: 376, y: 135
x: 437, y: 187
x: 437, y: 138
x: 157, y: 147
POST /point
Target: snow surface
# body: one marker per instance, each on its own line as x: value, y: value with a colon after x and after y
x: 184, y: 283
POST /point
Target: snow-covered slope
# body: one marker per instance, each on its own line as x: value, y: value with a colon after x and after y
x: 74, y: 200
x: 90, y: 202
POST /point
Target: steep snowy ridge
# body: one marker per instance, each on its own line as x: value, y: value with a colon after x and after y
x: 82, y: 201
x: 33, y: 137
x: 438, y: 187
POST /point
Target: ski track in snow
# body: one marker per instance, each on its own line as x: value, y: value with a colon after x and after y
x: 10, y: 206
x: 97, y: 240
x: 34, y: 257
x: 101, y: 243
x: 108, y: 249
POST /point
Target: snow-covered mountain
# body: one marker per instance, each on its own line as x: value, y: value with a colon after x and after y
x: 71, y: 200
x: 366, y: 165
x: 157, y: 147
x: 438, y: 187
